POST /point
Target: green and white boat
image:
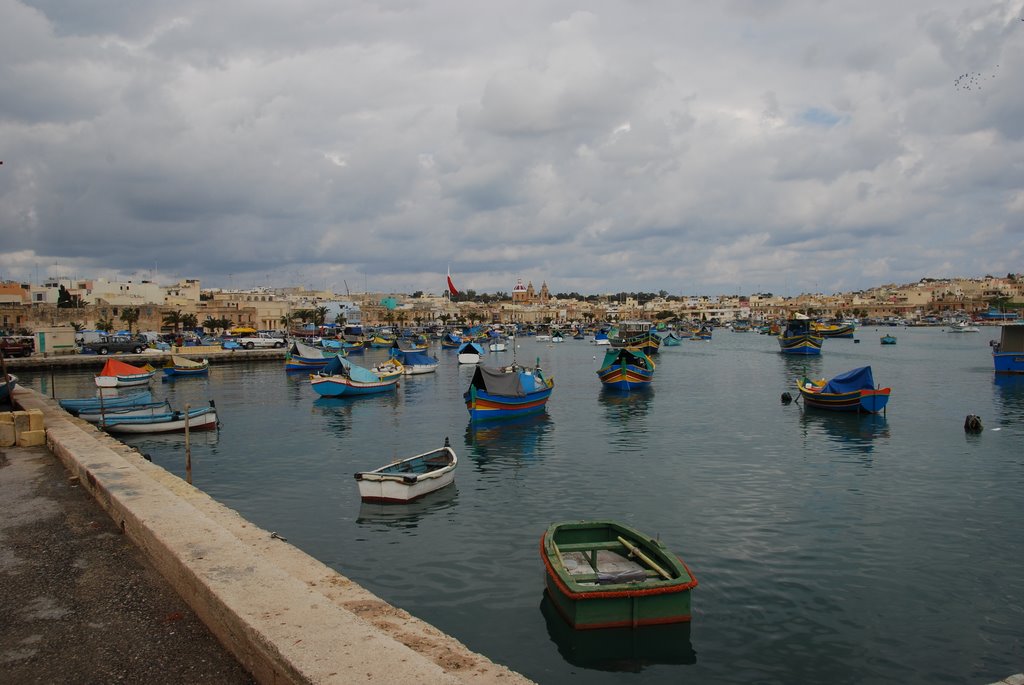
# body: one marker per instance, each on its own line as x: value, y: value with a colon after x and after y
x: 604, y: 574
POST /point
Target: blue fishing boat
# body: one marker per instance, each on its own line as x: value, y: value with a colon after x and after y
x: 505, y: 392
x: 854, y: 390
x: 798, y: 338
x: 624, y: 369
x: 343, y: 378
x: 106, y: 400
x: 888, y: 339
x: 1008, y: 352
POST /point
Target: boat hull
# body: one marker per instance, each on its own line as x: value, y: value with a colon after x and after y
x: 95, y: 404
x: 1008, y: 362
x: 199, y: 420
x: 484, y: 406
x: 870, y: 401
x: 800, y: 344
x: 341, y: 386
x: 127, y: 381
x: 587, y: 603
x: 409, y: 479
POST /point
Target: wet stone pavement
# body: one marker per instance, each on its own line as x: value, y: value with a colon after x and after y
x: 78, y: 601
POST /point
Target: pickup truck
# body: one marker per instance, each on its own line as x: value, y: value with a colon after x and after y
x: 251, y: 342
x: 108, y: 344
x: 16, y: 347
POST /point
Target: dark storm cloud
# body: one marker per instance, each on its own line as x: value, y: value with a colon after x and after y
x: 599, y: 147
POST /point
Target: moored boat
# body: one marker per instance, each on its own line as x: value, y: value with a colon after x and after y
x: 1008, y: 352
x: 106, y: 400
x: 198, y: 419
x: 496, y: 393
x: 625, y: 369
x: 833, y: 330
x: 147, y: 409
x: 470, y: 352
x: 888, y: 339
x: 798, y: 338
x: 343, y: 378
x: 302, y: 357
x: 854, y: 390
x: 416, y: 363
x: 605, y: 574
x: 409, y: 479
x: 635, y: 335
x: 118, y: 374
x: 183, y: 366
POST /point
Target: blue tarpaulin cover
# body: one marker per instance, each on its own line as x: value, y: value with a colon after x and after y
x: 856, y: 379
x: 415, y: 358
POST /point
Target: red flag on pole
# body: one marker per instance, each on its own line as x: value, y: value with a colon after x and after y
x: 451, y: 286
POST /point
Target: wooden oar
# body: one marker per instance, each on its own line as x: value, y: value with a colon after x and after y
x: 558, y: 553
x: 635, y: 551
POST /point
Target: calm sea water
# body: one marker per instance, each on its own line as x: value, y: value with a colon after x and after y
x: 829, y: 548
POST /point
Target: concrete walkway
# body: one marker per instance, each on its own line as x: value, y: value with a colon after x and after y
x: 283, y: 615
x: 78, y: 601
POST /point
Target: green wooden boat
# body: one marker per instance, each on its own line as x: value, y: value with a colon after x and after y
x: 604, y: 574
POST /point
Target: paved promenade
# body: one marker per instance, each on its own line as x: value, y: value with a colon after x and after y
x: 78, y: 601
x: 282, y: 615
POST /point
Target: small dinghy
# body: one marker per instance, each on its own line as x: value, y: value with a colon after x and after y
x: 409, y: 479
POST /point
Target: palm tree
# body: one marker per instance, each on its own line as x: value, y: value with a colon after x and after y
x: 286, y: 321
x: 79, y: 327
x: 189, y: 321
x: 340, y: 319
x: 319, y: 316
x: 173, y: 319
x: 130, y: 315
x: 105, y: 325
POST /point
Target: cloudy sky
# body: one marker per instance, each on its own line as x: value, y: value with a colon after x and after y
x: 718, y: 147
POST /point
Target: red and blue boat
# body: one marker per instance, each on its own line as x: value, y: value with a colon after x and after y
x: 506, y: 392
x: 625, y: 369
x: 853, y: 391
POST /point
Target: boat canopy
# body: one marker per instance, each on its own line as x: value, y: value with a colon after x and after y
x: 517, y: 383
x: 471, y: 347
x: 113, y: 367
x: 856, y: 379
x: 338, y: 365
x: 620, y: 354
x: 302, y: 350
x: 415, y: 359
x: 186, y: 363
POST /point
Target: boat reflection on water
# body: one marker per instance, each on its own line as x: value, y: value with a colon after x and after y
x: 618, y: 649
x: 407, y: 516
x: 1010, y: 396
x: 850, y: 432
x: 513, y: 440
x: 157, y: 447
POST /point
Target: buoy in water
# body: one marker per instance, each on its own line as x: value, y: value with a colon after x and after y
x: 786, y: 398
x: 972, y: 424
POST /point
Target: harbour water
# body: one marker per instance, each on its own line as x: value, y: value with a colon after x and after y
x: 829, y: 548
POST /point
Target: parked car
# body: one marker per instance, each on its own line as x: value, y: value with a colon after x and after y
x: 112, y: 344
x: 16, y: 347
